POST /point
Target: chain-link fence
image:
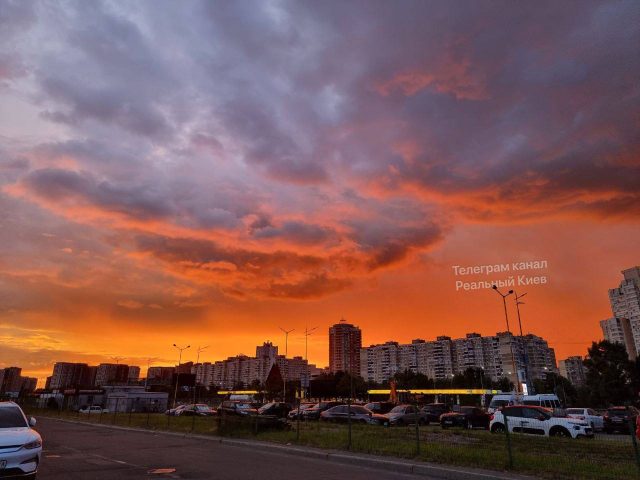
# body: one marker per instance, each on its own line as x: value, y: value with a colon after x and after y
x: 511, y: 447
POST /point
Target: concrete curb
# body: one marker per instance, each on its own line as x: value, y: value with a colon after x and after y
x: 370, y: 461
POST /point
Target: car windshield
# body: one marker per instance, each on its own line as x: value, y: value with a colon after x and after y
x: 466, y: 410
x: 243, y: 406
x: 575, y: 411
x: 202, y: 407
x: 398, y: 409
x: 11, y: 417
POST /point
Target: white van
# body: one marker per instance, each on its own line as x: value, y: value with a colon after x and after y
x: 547, y: 400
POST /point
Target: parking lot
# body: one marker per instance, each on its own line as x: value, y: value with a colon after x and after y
x: 74, y: 451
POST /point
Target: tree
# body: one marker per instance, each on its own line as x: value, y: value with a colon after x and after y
x: 504, y: 385
x: 609, y: 375
x: 561, y: 386
x: 274, y: 383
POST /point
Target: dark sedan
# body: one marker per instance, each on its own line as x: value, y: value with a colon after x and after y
x: 617, y: 419
x: 359, y: 414
x: 277, y: 409
x: 314, y: 412
x: 230, y: 407
x: 198, y: 409
x: 380, y: 407
x: 434, y: 410
x: 466, y: 417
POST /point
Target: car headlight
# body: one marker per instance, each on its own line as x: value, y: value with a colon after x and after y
x: 32, y: 445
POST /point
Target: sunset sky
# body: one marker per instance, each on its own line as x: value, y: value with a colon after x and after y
x: 205, y: 172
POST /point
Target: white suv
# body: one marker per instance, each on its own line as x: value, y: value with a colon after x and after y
x: 20, y: 445
x: 538, y: 421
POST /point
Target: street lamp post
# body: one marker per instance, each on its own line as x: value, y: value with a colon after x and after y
x: 307, y: 331
x: 175, y: 393
x: 286, y: 351
x: 195, y: 383
x: 506, y: 317
x: 524, y: 353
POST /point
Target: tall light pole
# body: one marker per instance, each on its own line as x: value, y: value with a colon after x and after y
x: 307, y: 331
x: 286, y: 351
x: 506, y: 317
x: 175, y: 393
x: 524, y: 353
x: 195, y: 383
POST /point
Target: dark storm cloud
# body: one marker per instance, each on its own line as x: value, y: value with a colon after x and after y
x: 57, y: 185
x: 298, y: 232
x: 359, y: 127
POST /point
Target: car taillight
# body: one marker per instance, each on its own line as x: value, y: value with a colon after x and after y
x: 491, y: 417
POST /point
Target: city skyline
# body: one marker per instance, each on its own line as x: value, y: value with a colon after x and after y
x: 210, y: 173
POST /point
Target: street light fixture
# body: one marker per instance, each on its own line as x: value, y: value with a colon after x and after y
x: 524, y: 356
x: 307, y: 331
x: 175, y: 393
x: 284, y: 364
x: 506, y: 317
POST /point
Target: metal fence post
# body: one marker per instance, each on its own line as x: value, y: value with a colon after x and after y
x: 634, y: 441
x: 193, y: 420
x: 298, y: 422
x: 417, y: 431
x: 349, y: 421
x: 506, y: 429
x: 115, y: 412
x: 148, y: 412
x: 130, y: 411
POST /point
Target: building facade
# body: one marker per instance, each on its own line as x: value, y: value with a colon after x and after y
x: 345, y: 342
x: 442, y: 358
x: 572, y: 368
x: 618, y: 330
x: 625, y: 304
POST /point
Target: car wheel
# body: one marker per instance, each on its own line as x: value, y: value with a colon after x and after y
x: 421, y: 421
x: 497, y: 428
x: 560, y: 432
x: 467, y: 425
x: 400, y: 423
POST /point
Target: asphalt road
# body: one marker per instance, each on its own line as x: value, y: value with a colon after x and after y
x: 73, y: 451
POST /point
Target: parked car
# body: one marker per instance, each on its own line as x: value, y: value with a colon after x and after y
x: 466, y: 417
x: 434, y: 410
x: 20, y: 444
x: 90, y: 410
x: 588, y: 415
x: 617, y: 419
x: 197, y: 409
x: 176, y: 411
x: 277, y: 409
x: 538, y: 421
x: 314, y: 412
x: 293, y: 414
x: 230, y: 407
x: 359, y: 414
x: 406, y: 414
x: 380, y: 407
